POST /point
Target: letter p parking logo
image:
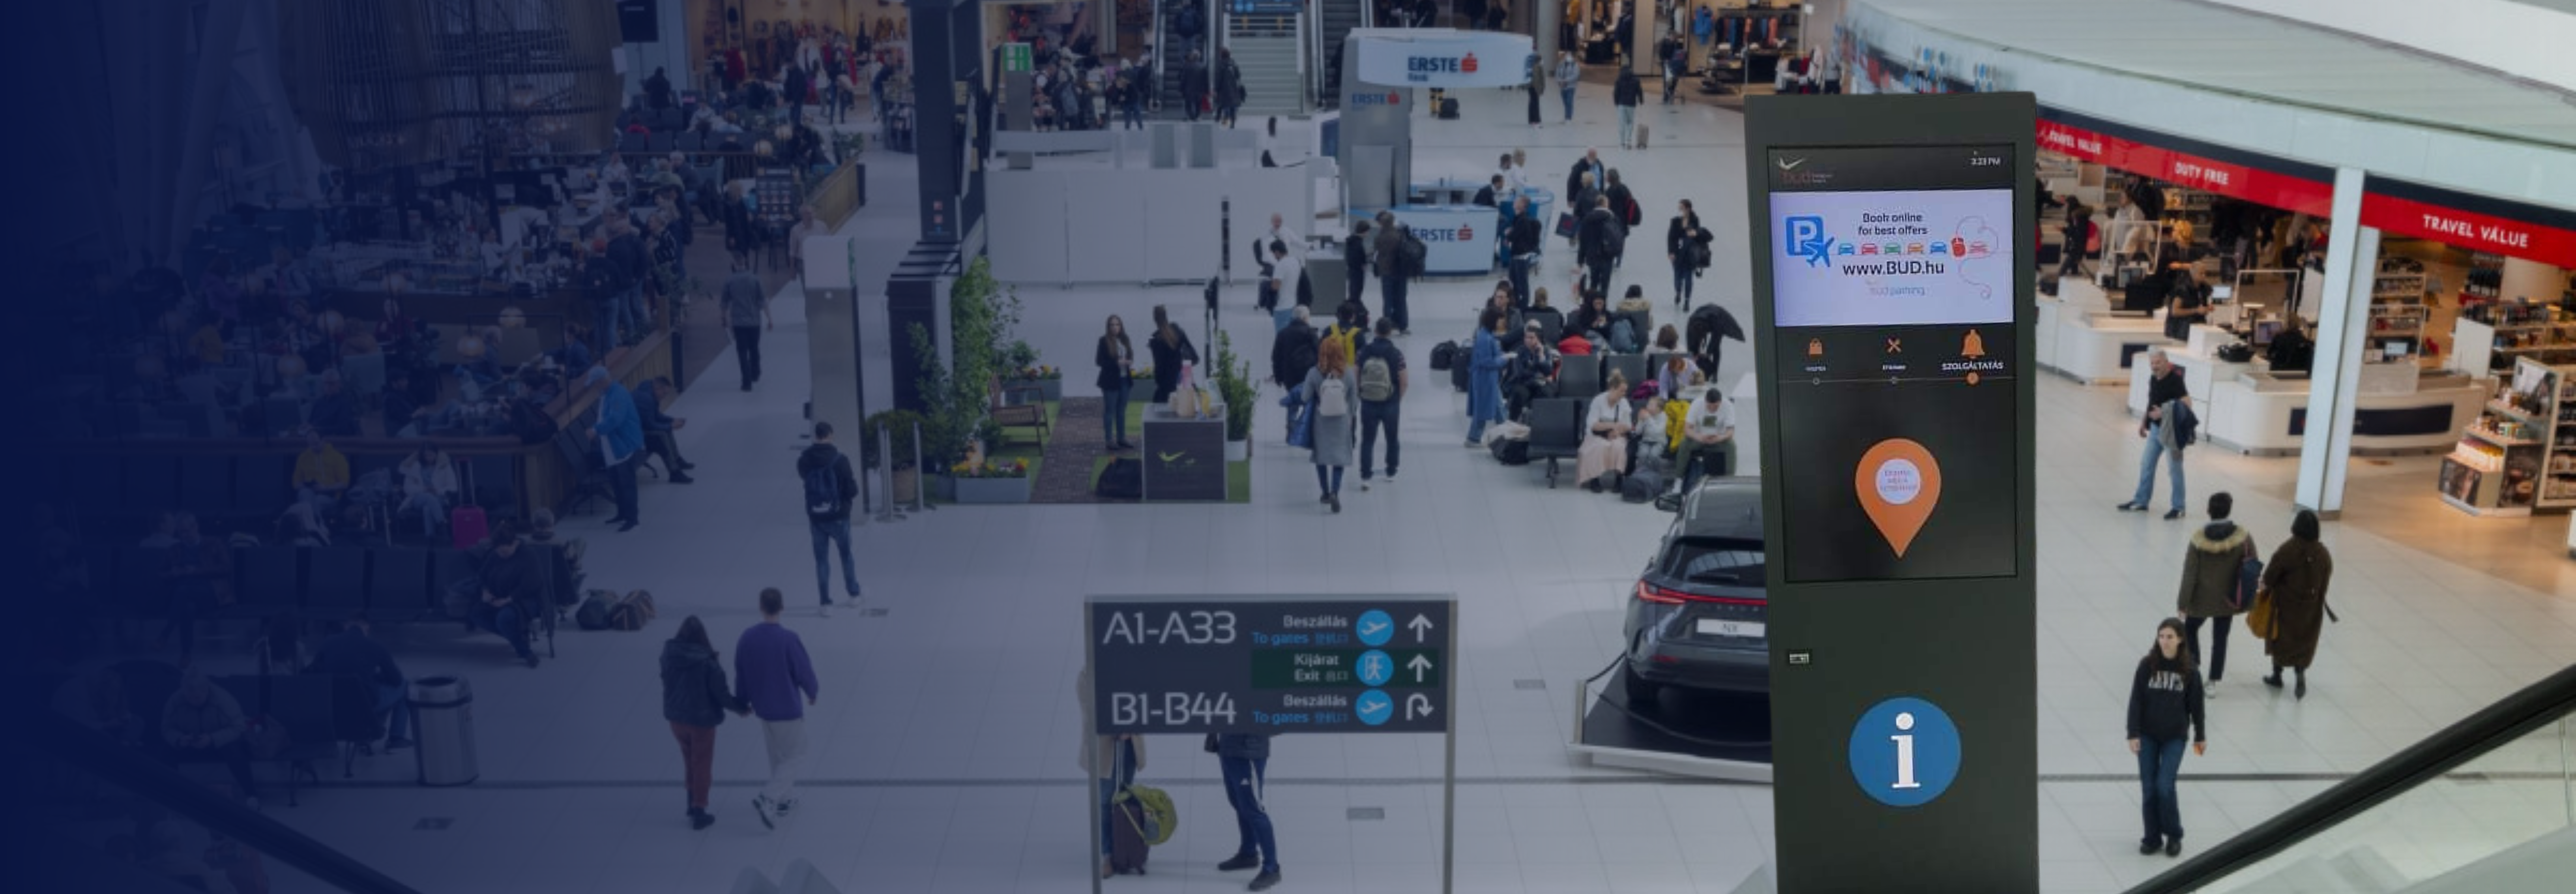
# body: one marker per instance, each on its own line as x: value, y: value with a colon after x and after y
x: 1807, y: 239
x: 1904, y: 752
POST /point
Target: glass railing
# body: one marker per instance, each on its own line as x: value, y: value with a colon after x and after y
x: 116, y: 820
x: 2487, y: 805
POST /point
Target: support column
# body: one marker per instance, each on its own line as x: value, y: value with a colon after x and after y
x: 2343, y: 323
x: 1551, y: 16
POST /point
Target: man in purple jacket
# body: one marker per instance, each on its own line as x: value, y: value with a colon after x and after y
x: 770, y: 670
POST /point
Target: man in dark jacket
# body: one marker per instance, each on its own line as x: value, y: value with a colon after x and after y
x: 1521, y: 241
x: 1194, y: 86
x: 512, y: 584
x: 626, y: 252
x: 1244, y: 760
x: 1591, y: 164
x: 1229, y: 87
x: 1599, y: 236
x: 1391, y: 278
x: 1292, y: 354
x: 1626, y: 93
x: 797, y: 84
x: 657, y: 90
x: 1531, y: 373
x: 1355, y: 261
x: 2211, y: 567
x: 352, y: 653
x: 2160, y: 428
x: 830, y: 488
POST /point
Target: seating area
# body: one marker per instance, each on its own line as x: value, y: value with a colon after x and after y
x: 384, y: 584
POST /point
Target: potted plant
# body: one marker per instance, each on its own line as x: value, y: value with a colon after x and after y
x: 992, y: 481
x: 1234, y: 389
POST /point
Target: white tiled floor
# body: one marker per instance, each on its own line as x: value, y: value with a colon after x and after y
x: 945, y: 737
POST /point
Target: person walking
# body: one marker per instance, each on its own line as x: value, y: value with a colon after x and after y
x: 2297, y: 578
x: 695, y: 698
x: 2164, y: 428
x: 1598, y: 238
x: 1116, y: 357
x: 770, y: 669
x: 1112, y: 761
x: 1194, y: 87
x: 1536, y: 78
x: 1244, y: 760
x: 1521, y: 245
x: 830, y: 489
x: 1485, y: 377
x: 1382, y: 384
x: 2165, y: 702
x: 1229, y: 86
x: 1392, y: 281
x: 1292, y: 355
x: 1170, y: 347
x: 1355, y: 261
x: 1686, y: 245
x: 746, y: 309
x: 2073, y: 236
x: 620, y: 433
x: 2212, y: 568
x: 1626, y: 93
x: 1567, y: 75
x: 1333, y: 397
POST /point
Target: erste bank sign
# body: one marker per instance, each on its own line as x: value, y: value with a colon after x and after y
x: 1440, y: 57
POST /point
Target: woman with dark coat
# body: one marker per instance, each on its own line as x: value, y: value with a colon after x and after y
x: 1355, y: 261
x: 694, y: 699
x: 1171, y: 347
x: 1115, y: 357
x: 2297, y: 577
x: 2166, y: 711
x: 1686, y: 246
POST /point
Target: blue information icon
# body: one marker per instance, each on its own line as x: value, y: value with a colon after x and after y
x: 1904, y: 752
x: 1376, y: 628
x: 1374, y: 708
x: 1376, y: 668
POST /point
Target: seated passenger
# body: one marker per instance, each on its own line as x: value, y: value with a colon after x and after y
x: 1605, y: 440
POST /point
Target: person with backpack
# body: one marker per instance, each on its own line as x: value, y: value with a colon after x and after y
x: 2214, y: 583
x: 770, y: 669
x: 1332, y: 395
x: 1626, y: 93
x: 1382, y: 384
x: 1686, y: 245
x: 1623, y: 202
x: 1292, y: 356
x: 830, y: 488
x: 695, y: 698
x: 2165, y: 704
x: 1597, y: 239
x: 1244, y: 760
x: 1115, y: 356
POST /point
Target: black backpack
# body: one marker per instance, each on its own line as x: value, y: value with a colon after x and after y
x: 1442, y: 355
x: 822, y: 490
x: 1124, y: 479
x: 1413, y: 256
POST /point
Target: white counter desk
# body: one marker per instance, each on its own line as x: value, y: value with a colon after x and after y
x: 2244, y: 407
x: 2079, y: 338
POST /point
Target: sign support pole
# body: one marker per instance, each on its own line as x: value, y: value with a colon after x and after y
x: 1091, y: 734
x: 1449, y: 761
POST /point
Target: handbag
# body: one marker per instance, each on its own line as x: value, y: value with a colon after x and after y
x: 2259, y: 619
x: 1565, y: 224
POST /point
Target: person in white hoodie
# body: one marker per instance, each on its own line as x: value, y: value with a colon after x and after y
x: 429, y: 484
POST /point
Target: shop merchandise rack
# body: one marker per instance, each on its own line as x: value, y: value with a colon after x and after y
x: 2520, y: 454
x: 2526, y: 331
x: 2397, y: 311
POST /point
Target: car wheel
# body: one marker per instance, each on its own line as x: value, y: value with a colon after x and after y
x: 1641, y: 692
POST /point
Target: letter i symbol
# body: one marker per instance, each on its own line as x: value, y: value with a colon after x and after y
x: 1904, y: 753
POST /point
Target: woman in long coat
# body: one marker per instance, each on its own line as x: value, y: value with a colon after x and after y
x: 1485, y: 377
x: 2297, y: 577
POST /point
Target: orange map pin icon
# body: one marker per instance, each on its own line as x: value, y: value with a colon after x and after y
x: 1899, y: 483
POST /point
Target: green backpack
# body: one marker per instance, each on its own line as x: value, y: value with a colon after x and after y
x: 1161, y: 818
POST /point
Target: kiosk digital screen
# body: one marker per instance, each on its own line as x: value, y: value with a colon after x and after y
x: 1894, y: 341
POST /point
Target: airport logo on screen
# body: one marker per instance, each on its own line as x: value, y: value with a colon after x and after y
x: 1905, y: 752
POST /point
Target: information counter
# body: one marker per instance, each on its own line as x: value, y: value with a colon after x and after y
x: 2080, y: 338
x: 1462, y: 237
x: 2247, y: 408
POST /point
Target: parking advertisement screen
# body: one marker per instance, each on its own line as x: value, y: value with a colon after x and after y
x: 1892, y: 292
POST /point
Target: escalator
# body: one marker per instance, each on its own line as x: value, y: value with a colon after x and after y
x: 101, y: 817
x: 2486, y: 805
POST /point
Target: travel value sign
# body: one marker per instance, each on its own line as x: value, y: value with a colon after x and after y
x: 1271, y: 664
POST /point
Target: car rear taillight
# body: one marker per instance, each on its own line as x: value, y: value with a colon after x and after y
x: 1647, y: 592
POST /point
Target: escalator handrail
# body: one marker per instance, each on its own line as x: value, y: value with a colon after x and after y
x: 85, y: 748
x: 2508, y: 720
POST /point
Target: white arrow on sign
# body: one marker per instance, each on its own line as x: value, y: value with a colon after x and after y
x: 1421, y: 627
x: 1417, y: 702
x: 1419, y: 664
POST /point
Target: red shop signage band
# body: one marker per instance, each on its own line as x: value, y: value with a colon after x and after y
x: 2469, y: 229
x: 2252, y: 184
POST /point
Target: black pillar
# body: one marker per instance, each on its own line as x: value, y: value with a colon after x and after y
x: 944, y: 55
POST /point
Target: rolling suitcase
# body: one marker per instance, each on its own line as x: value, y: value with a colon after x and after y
x: 1128, y: 847
x: 466, y: 525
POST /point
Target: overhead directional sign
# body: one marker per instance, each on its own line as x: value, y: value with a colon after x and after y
x: 1271, y: 664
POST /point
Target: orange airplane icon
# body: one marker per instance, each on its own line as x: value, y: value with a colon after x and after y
x: 1974, y: 347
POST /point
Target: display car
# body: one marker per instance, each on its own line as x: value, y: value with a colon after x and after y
x: 1697, y: 615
